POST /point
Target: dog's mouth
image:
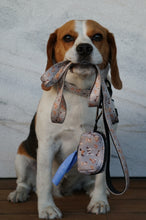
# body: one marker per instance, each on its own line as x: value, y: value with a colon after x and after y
x: 82, y: 65
x: 83, y: 68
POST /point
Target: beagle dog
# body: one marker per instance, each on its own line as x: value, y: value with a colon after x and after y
x: 85, y: 43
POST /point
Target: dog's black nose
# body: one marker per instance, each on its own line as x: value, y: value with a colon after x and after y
x: 84, y: 49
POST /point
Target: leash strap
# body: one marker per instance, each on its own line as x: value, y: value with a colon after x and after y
x: 59, y: 108
x: 110, y: 117
x: 94, y: 98
x: 54, y: 73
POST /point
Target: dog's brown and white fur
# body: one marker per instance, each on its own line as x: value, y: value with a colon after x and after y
x: 48, y: 144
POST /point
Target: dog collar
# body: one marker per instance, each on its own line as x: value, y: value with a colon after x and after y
x: 75, y: 90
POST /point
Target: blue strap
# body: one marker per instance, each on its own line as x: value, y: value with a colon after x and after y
x: 65, y: 167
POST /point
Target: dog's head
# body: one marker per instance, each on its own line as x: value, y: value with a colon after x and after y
x: 84, y: 43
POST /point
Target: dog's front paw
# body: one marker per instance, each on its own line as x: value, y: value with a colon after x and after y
x: 20, y: 195
x: 98, y: 207
x: 50, y: 212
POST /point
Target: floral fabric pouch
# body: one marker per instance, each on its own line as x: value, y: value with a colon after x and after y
x: 91, y: 153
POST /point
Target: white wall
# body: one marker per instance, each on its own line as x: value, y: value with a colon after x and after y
x: 25, y: 27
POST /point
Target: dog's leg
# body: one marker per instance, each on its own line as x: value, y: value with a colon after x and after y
x: 99, y: 203
x: 26, y: 178
x: 46, y: 206
x: 47, y: 148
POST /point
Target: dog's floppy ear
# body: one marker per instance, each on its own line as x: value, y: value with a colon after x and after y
x: 115, y: 77
x: 50, y: 49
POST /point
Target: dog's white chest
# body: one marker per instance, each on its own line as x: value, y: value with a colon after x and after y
x: 79, y: 119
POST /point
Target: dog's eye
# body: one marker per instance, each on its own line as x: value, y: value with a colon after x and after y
x: 97, y: 37
x: 68, y: 38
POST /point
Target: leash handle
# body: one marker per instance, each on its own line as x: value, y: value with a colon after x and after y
x: 54, y: 74
x: 109, y: 130
x: 109, y: 183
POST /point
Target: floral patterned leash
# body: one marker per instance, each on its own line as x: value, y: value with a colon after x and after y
x: 56, y: 75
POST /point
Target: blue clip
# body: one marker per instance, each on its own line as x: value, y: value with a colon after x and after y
x: 65, y: 167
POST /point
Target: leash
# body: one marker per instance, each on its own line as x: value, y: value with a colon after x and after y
x: 110, y: 117
x: 97, y: 96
